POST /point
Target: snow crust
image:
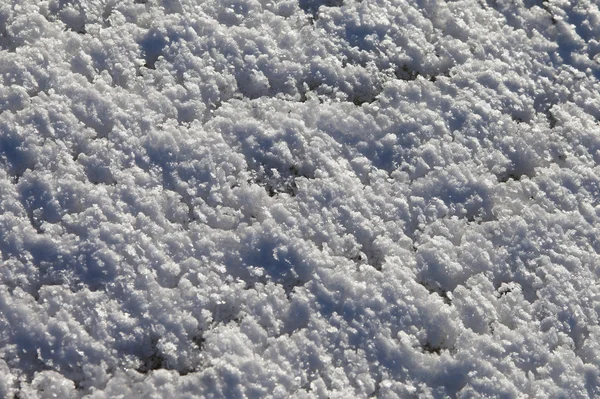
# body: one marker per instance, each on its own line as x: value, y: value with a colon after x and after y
x: 312, y: 198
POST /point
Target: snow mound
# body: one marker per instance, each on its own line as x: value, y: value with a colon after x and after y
x: 312, y: 198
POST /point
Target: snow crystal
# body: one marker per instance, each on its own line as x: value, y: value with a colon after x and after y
x: 313, y: 198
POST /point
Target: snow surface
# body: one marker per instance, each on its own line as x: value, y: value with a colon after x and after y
x: 312, y: 198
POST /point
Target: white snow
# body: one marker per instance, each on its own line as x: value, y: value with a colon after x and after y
x: 312, y: 198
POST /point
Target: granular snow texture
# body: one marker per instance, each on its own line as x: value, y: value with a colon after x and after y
x: 299, y: 198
